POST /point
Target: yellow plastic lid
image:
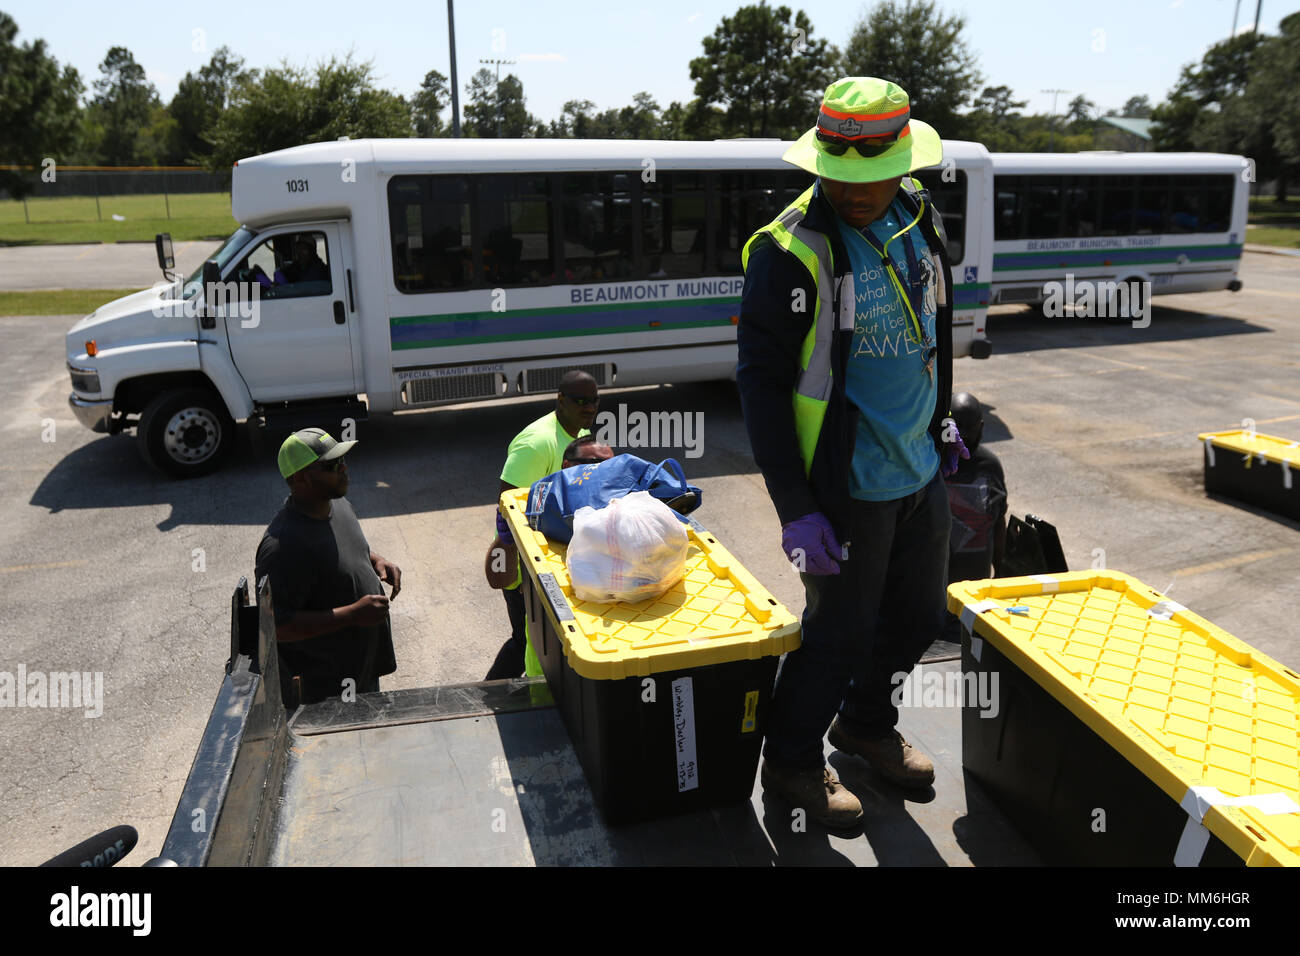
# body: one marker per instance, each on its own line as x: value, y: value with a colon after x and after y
x: 1257, y: 446
x: 1184, y: 701
x: 718, y: 613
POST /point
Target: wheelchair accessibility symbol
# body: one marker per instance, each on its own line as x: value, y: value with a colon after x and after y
x: 972, y: 274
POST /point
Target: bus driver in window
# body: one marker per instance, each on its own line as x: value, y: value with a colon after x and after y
x: 306, y: 265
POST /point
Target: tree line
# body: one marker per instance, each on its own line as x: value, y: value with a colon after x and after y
x: 761, y: 74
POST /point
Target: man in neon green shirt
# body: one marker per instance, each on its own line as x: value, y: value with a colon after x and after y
x: 536, y: 452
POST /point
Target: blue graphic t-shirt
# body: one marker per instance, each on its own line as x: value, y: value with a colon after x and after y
x: 887, y: 378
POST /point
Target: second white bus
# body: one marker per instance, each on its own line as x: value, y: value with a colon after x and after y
x: 1174, y: 220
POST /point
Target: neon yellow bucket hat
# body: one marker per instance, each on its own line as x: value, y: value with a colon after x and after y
x: 865, y: 133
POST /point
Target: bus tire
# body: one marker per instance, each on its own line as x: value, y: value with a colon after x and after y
x: 1139, y: 304
x: 185, y: 433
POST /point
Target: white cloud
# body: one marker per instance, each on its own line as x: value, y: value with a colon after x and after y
x: 693, y: 17
x: 549, y: 57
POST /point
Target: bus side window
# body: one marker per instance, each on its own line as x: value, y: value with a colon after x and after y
x: 949, y: 197
x: 1218, y: 210
x: 596, y: 210
x: 428, y: 221
x: 514, y: 226
x: 1150, y: 214
x: 1079, y: 215
x: 678, y: 248
x: 1007, y: 207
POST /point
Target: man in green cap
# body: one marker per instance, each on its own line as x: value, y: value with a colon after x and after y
x: 331, y: 613
x: 845, y: 370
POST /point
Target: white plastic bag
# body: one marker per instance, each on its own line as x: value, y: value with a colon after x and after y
x: 631, y: 550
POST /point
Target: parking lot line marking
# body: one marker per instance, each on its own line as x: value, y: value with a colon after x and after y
x: 41, y: 567
x: 1240, y: 559
x: 1280, y: 295
x: 1179, y: 431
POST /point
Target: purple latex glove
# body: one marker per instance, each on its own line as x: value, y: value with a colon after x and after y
x: 953, y: 451
x: 809, y: 542
x: 503, y: 526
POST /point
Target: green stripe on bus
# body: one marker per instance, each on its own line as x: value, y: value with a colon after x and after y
x: 1164, y: 253
x: 558, y: 310
x: 610, y: 330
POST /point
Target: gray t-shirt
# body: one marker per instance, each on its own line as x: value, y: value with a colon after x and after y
x: 316, y: 564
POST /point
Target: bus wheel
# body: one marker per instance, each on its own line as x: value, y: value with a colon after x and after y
x: 1137, y: 300
x: 185, y: 433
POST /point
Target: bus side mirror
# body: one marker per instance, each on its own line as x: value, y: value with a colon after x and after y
x: 211, y: 279
x: 163, y: 245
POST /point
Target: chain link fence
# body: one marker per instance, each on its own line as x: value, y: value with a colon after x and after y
x: 87, y: 193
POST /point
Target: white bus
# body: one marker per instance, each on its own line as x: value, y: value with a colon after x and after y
x: 1174, y: 220
x: 442, y: 271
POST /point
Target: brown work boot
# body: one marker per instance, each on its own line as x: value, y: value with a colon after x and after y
x: 818, y: 792
x: 891, y: 756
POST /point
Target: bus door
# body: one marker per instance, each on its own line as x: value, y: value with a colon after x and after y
x: 297, y: 343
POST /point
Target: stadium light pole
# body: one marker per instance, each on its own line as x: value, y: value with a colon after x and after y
x: 455, y: 87
x: 497, y: 90
x: 1051, y: 141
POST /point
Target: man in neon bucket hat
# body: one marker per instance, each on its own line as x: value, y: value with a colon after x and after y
x: 845, y: 374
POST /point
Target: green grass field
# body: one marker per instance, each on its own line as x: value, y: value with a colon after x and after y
x: 1274, y: 223
x: 75, y: 218
x: 58, y: 301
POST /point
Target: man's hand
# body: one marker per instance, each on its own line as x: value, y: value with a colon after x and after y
x: 502, y: 563
x: 809, y: 542
x: 954, y: 449
x: 372, y: 609
x: 388, y: 572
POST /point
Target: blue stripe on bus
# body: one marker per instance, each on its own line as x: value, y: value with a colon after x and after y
x: 971, y: 295
x: 421, y: 331
x: 1053, y: 259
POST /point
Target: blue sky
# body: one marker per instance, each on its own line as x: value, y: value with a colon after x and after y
x: 607, y: 51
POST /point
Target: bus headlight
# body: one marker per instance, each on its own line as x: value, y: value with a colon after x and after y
x: 84, y: 379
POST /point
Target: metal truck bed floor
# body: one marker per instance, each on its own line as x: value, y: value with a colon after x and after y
x: 506, y: 789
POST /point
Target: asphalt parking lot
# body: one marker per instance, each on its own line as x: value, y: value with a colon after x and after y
x: 94, y: 265
x: 106, y: 567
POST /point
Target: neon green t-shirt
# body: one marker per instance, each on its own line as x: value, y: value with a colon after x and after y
x: 537, y: 451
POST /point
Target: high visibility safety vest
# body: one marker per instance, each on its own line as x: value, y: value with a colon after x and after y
x: 812, y: 391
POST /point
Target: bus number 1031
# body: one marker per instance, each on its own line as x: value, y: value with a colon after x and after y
x: 296, y: 185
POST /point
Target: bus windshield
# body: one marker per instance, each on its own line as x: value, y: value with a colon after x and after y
x: 237, y: 240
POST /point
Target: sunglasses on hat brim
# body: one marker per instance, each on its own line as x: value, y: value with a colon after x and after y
x: 869, y: 148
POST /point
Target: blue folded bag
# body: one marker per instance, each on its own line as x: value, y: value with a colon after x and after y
x: 553, y: 500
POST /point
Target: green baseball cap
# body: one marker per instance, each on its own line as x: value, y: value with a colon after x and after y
x: 865, y: 133
x: 307, y: 446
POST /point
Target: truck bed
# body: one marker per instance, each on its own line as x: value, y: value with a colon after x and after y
x: 506, y: 789
x: 484, y: 775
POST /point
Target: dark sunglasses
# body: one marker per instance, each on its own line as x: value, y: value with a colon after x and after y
x: 834, y: 145
x: 586, y: 461
x: 581, y: 400
x: 331, y: 466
